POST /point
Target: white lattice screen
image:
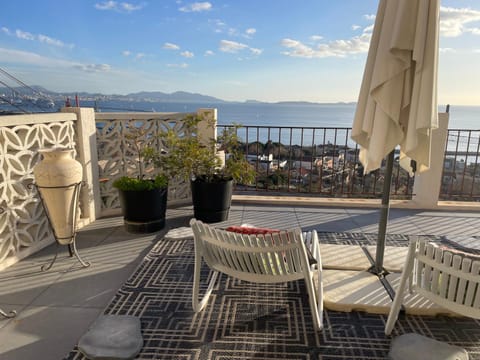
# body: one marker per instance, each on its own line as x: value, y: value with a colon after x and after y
x: 22, y: 219
x: 115, y: 156
x: 23, y: 224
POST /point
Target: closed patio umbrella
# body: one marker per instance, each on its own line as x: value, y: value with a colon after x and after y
x: 397, y: 104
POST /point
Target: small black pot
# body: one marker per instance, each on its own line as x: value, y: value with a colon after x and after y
x: 144, y: 211
x: 211, y: 200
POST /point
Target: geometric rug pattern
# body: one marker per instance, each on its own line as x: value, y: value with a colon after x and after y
x: 251, y: 321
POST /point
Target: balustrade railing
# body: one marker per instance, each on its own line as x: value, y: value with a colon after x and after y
x: 313, y: 161
x: 461, y: 169
x: 297, y: 160
x: 307, y: 161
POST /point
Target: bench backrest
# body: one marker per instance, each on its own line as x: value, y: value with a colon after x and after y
x: 447, y: 278
x: 275, y: 257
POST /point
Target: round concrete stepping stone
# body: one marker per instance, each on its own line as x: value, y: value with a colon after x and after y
x: 112, y: 337
x: 179, y: 233
x: 417, y: 347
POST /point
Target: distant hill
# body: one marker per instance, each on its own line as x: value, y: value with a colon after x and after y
x: 178, y: 96
x: 153, y: 96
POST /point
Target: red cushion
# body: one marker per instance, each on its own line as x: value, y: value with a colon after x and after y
x: 262, y: 231
x: 251, y: 230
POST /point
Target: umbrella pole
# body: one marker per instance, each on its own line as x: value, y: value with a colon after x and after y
x: 382, y: 226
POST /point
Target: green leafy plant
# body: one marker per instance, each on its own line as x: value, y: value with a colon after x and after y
x: 126, y: 183
x: 189, y: 157
x: 145, y: 155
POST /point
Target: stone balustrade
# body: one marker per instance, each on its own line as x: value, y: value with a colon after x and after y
x: 101, y: 145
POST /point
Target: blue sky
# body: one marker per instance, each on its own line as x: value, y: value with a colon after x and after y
x: 268, y: 50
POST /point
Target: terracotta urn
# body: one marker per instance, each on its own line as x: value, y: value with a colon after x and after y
x: 57, y: 177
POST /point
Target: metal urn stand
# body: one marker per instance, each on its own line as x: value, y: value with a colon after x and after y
x: 11, y: 313
x: 68, y: 240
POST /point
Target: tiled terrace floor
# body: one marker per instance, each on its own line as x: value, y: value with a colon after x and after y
x: 56, y: 307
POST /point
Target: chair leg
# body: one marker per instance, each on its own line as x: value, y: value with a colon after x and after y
x: 400, y: 291
x: 315, y: 298
x: 197, y: 304
x: 316, y: 304
x: 318, y: 257
x: 320, y: 297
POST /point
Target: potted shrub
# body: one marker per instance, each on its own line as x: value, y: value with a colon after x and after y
x: 211, y: 165
x: 143, y: 199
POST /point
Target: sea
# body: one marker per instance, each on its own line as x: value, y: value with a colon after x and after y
x: 287, y: 114
x: 281, y: 114
x: 302, y: 115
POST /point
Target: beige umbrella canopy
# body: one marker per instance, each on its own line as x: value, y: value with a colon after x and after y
x: 397, y: 104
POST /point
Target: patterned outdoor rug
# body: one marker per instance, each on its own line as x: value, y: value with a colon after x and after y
x: 248, y: 321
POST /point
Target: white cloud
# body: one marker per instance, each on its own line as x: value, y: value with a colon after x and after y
x: 130, y: 7
x: 209, y: 53
x: 474, y: 31
x: 316, y: 37
x: 181, y: 66
x: 298, y: 49
x: 120, y: 7
x: 106, y: 5
x: 170, y: 46
x: 446, y: 50
x: 187, y: 54
x: 25, y: 35
x: 369, y: 17
x: 137, y: 56
x: 250, y: 32
x: 218, y: 22
x: 336, y: 48
x: 30, y: 58
x: 231, y: 46
x: 50, y: 41
x: 219, y: 26
x: 93, y: 68
x: 196, y: 7
x: 368, y: 29
x: 232, y: 32
x: 453, y: 21
x: 355, y: 27
x: 234, y: 47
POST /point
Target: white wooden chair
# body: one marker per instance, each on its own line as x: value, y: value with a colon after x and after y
x: 270, y: 258
x: 442, y: 276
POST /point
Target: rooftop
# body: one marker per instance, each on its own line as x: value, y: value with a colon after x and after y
x: 56, y: 307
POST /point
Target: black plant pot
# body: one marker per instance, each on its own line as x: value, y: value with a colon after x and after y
x: 144, y: 211
x: 211, y: 200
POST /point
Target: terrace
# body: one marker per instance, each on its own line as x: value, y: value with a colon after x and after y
x: 57, y: 306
